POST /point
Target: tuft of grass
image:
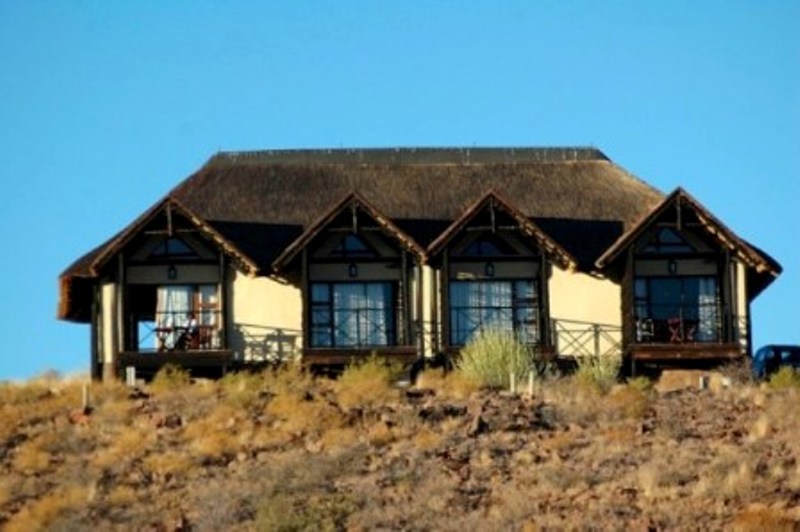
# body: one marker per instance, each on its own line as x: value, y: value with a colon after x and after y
x: 367, y: 384
x: 785, y: 378
x: 45, y: 513
x: 170, y: 378
x: 492, y: 356
x: 598, y: 373
x: 452, y: 385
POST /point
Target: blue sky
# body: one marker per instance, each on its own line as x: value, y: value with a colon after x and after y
x: 104, y: 106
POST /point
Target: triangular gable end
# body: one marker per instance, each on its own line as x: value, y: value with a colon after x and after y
x: 355, y: 202
x: 173, y: 210
x: 681, y: 199
x: 493, y: 200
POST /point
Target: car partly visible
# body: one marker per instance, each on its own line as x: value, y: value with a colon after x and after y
x: 770, y: 358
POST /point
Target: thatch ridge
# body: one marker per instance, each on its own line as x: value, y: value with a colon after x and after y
x: 411, y: 156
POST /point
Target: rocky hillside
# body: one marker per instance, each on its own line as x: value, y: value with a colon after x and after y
x: 284, y: 451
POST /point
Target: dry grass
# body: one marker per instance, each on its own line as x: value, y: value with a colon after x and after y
x: 282, y: 450
x: 367, y: 384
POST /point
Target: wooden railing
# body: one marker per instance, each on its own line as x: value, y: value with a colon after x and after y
x: 578, y: 339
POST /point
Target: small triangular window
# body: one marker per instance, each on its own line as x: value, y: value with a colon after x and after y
x: 666, y: 241
x: 487, y: 246
x: 352, y: 246
x: 172, y: 248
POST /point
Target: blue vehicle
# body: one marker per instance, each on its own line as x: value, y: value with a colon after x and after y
x: 771, y: 358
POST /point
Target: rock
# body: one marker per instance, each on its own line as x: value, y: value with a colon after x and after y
x: 477, y: 426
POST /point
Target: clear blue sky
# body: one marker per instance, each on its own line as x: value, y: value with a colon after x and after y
x: 104, y: 106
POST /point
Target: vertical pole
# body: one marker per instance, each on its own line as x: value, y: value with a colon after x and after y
x: 122, y: 315
x: 405, y: 306
x: 420, y: 304
x: 95, y: 334
x: 444, y: 286
x: 306, y: 300
x: 596, y: 332
x: 727, y: 298
x: 223, y: 302
x: 544, y: 301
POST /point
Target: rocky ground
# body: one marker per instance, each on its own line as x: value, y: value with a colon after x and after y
x: 293, y: 453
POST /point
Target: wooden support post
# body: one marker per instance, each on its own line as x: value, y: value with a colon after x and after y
x: 419, y: 287
x: 305, y: 294
x: 223, y: 302
x: 444, y: 297
x: 544, y: 301
x: 95, y: 334
x: 405, y: 305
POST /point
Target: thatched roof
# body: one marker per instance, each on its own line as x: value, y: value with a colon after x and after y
x: 260, y: 202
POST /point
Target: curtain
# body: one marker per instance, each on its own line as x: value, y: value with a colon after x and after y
x: 499, y: 305
x: 362, y: 314
x: 173, y: 305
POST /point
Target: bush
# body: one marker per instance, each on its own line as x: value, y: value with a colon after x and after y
x: 367, y: 384
x: 784, y: 378
x: 599, y: 373
x: 170, y: 377
x: 491, y: 356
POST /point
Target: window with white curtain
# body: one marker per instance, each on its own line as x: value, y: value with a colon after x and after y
x: 181, y: 306
x: 352, y: 314
x: 507, y: 305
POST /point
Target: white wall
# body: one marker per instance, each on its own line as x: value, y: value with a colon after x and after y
x: 583, y: 298
x: 264, y: 317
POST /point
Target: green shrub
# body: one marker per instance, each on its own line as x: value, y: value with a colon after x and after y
x: 492, y: 356
x: 784, y: 378
x: 599, y: 373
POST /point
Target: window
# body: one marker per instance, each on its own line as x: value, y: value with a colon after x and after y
x: 677, y: 309
x: 352, y: 314
x: 352, y: 246
x: 668, y: 241
x: 487, y: 246
x: 179, y: 309
x: 504, y: 305
x: 173, y: 248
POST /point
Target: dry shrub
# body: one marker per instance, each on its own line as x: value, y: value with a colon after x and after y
x: 217, y: 434
x: 126, y: 445
x: 759, y: 517
x: 453, y: 385
x: 367, y: 384
x: 426, y: 439
x: 301, y: 495
x: 626, y: 402
x: 121, y: 496
x: 597, y: 373
x: 380, y: 434
x: 170, y: 378
x: 491, y: 356
x: 31, y: 459
x: 167, y: 464
x: 46, y: 512
x: 730, y: 473
x: 242, y: 389
x: 785, y: 378
x: 298, y: 414
x: 339, y: 437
